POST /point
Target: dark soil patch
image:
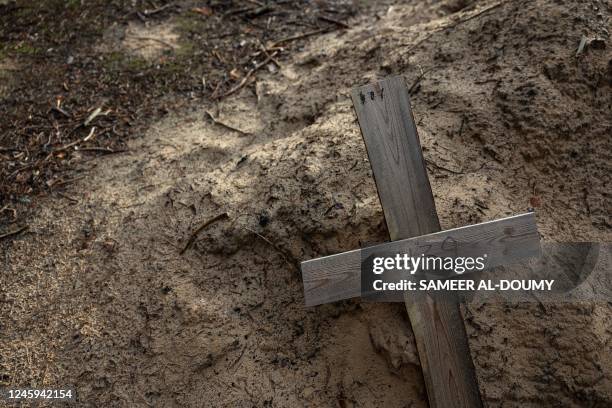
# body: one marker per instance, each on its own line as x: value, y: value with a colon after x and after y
x: 62, y: 76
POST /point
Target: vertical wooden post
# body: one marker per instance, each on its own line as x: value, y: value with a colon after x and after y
x: 392, y: 142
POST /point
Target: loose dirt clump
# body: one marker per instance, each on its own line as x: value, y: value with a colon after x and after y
x: 97, y: 293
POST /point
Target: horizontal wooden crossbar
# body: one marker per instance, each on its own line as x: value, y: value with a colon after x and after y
x: 505, y: 241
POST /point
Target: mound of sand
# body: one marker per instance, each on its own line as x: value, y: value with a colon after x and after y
x: 509, y: 118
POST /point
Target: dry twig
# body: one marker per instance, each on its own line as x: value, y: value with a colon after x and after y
x: 225, y: 125
x: 337, y: 22
x: 473, y: 16
x: 273, y: 245
x: 67, y: 197
x: 455, y: 24
x: 92, y: 116
x: 300, y: 36
x: 76, y: 142
x: 439, y: 167
x: 64, y: 182
x: 158, y: 10
x: 101, y: 150
x: 417, y: 81
x: 195, y: 233
x: 15, y: 232
x: 248, y: 76
x: 267, y: 54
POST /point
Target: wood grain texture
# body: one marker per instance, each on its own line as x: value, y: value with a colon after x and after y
x: 388, y: 128
x: 505, y: 241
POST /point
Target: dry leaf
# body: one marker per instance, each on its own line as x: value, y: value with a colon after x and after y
x: 205, y: 11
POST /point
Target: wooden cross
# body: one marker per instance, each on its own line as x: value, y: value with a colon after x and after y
x: 392, y: 142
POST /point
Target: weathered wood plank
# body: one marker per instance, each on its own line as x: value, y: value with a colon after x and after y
x: 505, y: 241
x: 394, y: 149
x: 388, y: 128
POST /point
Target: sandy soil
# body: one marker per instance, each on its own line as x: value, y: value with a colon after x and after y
x: 97, y: 294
